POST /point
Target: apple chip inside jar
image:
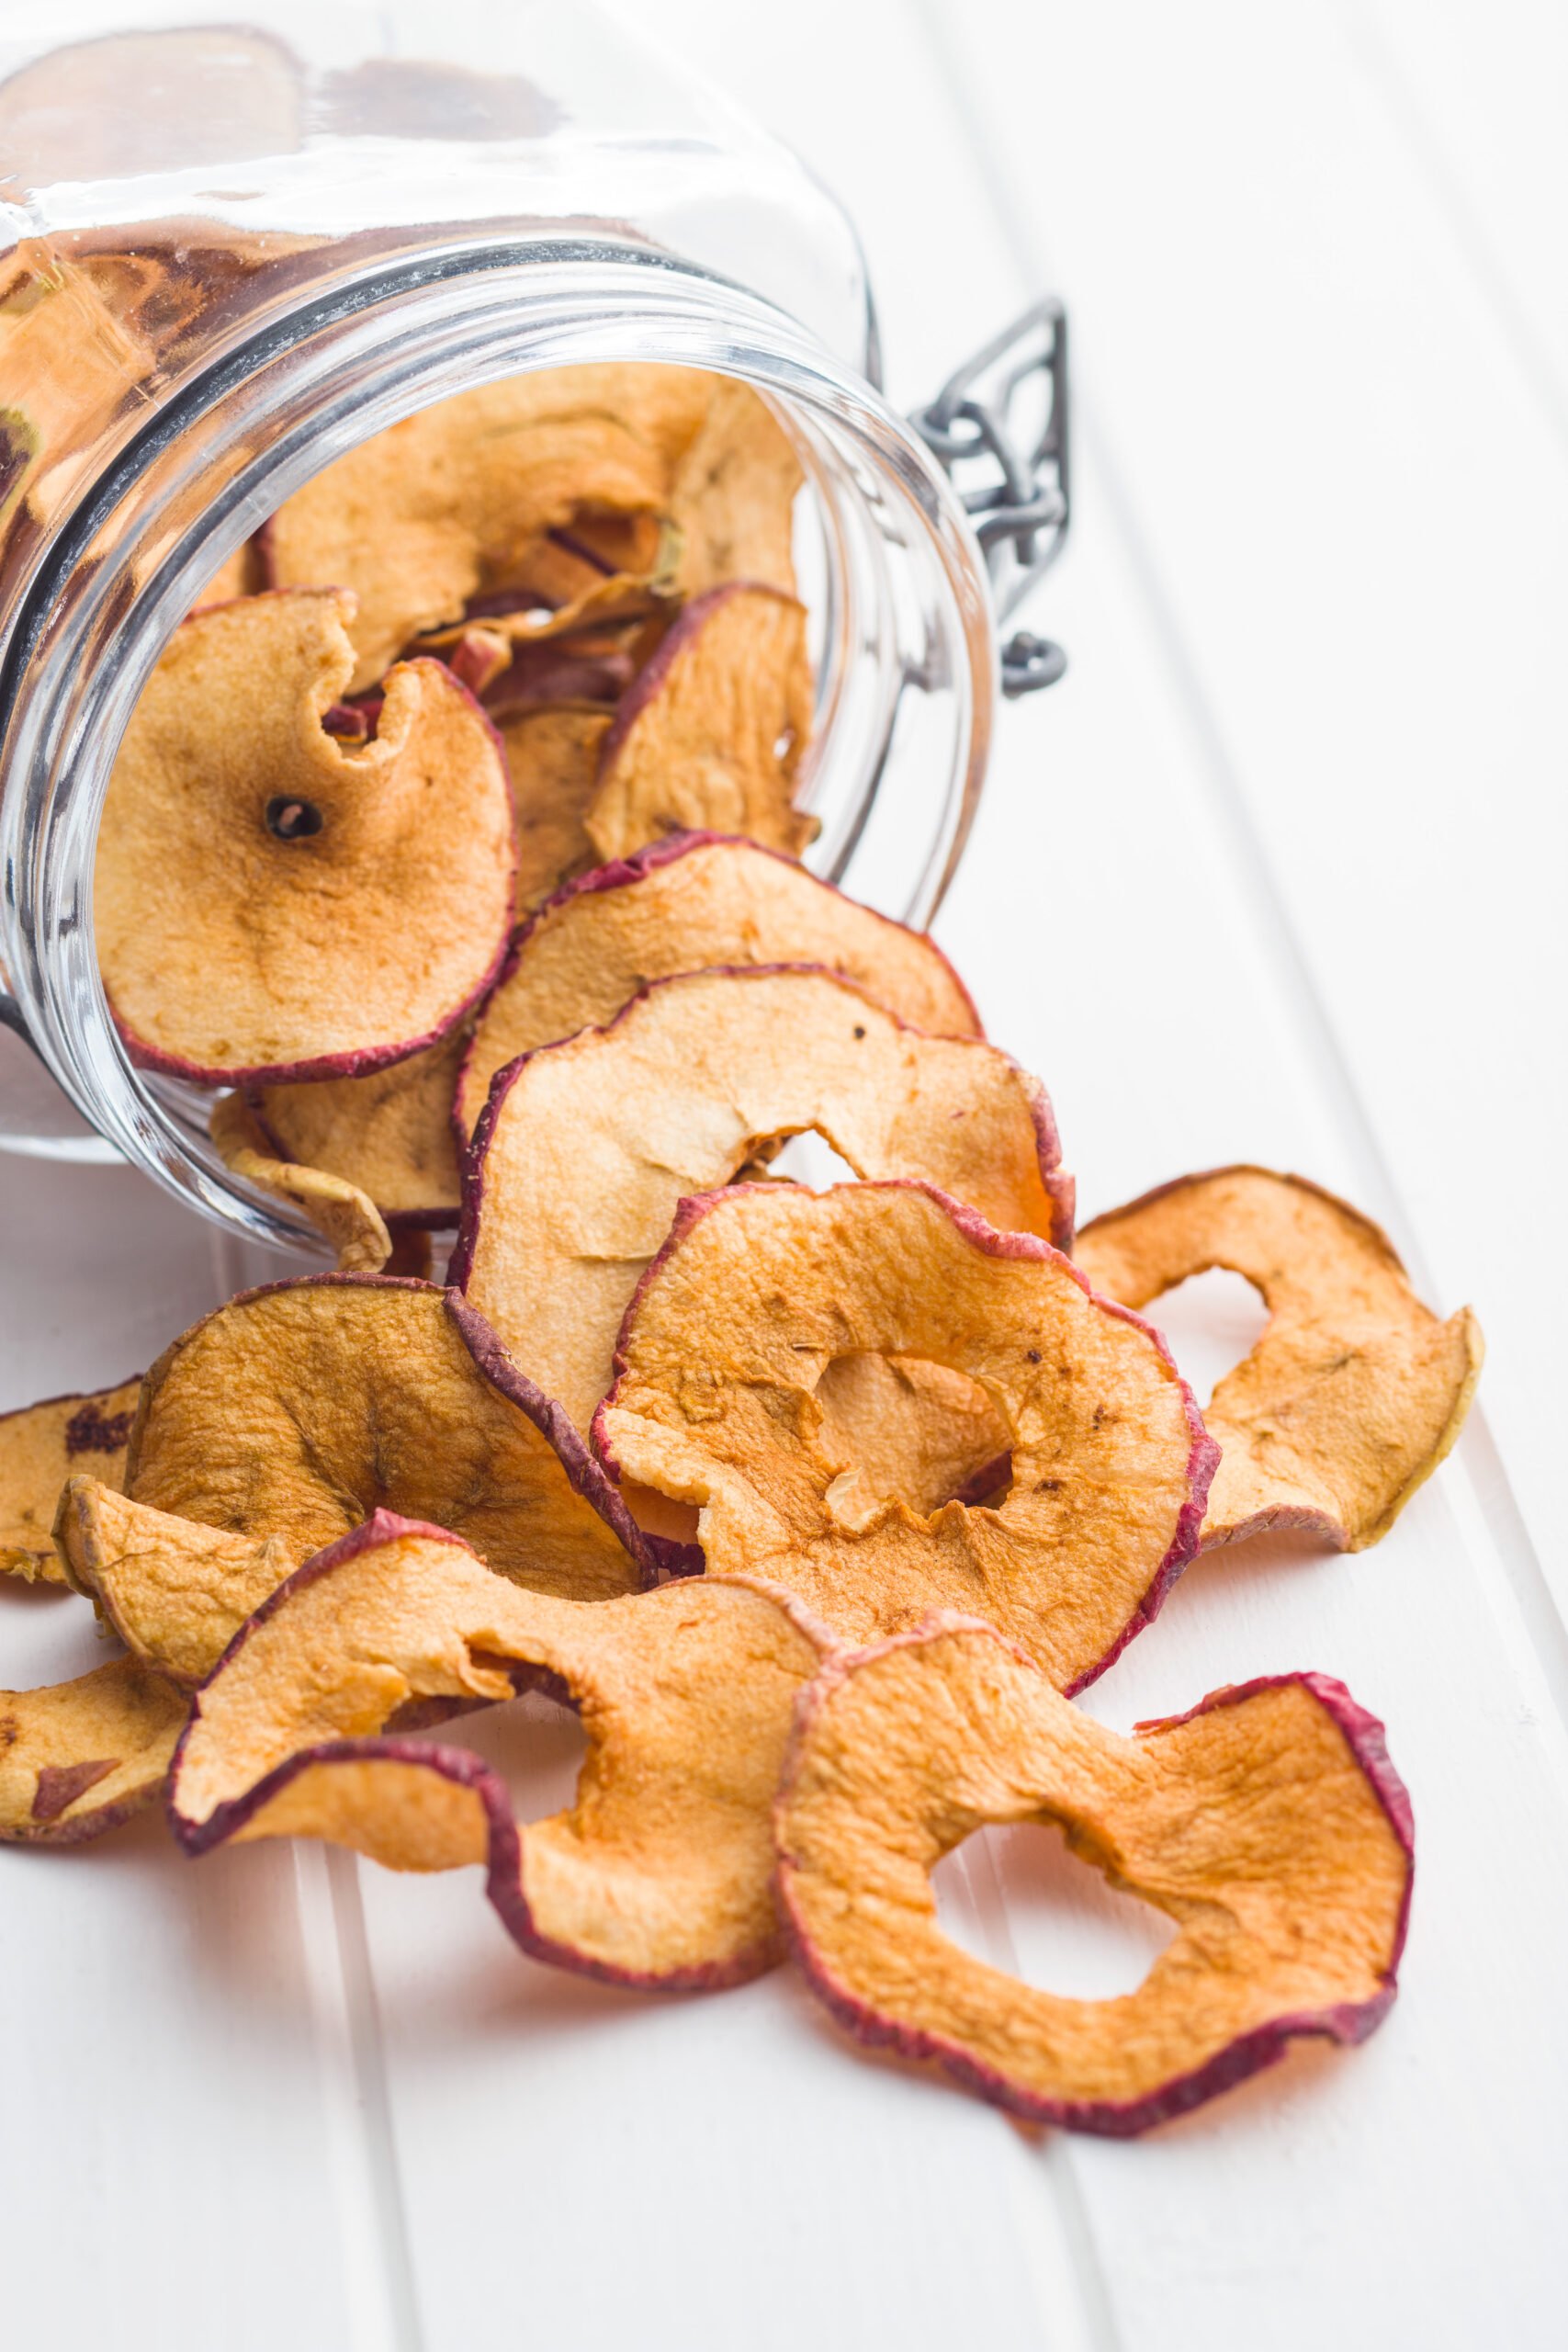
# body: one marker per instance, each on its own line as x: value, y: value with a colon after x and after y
x: 681, y: 905
x: 273, y: 905
x: 41, y: 1446
x: 389, y: 1133
x: 296, y: 1411
x: 760, y: 1289
x: 711, y: 732
x: 553, y: 754
x: 1354, y: 1393
x: 1268, y: 1824
x: 733, y: 501
x: 660, y: 1875
x: 588, y: 1146
x: 449, y: 504
x: 339, y: 1211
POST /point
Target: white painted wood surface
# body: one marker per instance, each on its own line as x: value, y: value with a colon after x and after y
x: 1274, y: 874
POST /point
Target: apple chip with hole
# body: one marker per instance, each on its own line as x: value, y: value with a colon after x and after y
x: 658, y: 1875
x: 1355, y: 1391
x: 77, y: 1759
x: 272, y: 904
x: 298, y: 1410
x: 588, y: 1146
x: 681, y: 905
x: 1268, y: 1824
x: 449, y: 505
x: 710, y: 733
x: 41, y: 1445
x: 758, y: 1290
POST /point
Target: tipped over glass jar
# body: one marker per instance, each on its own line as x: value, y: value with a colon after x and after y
x: 230, y: 254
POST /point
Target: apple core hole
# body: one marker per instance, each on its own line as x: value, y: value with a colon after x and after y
x: 1019, y: 1899
x: 906, y: 1430
x: 293, y: 821
x: 1211, y: 1322
x: 535, y: 1743
x: 810, y: 1159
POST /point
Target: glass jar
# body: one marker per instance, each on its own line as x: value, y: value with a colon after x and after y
x: 256, y: 246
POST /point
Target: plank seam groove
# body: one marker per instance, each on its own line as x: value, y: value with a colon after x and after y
x: 373, y: 2117
x: 1279, y: 940
x: 1389, y: 88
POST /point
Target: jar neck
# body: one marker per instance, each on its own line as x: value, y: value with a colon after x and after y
x: 905, y: 647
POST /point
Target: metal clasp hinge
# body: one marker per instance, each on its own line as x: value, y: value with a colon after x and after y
x: 999, y: 428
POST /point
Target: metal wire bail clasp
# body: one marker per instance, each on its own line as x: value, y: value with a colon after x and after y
x: 1000, y: 427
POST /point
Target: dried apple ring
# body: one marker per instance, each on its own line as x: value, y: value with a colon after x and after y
x: 1269, y: 1823
x: 711, y: 732
x: 733, y: 501
x: 660, y: 1875
x: 681, y: 905
x: 1354, y: 1393
x: 553, y: 754
x: 389, y: 1133
x: 298, y: 1410
x: 758, y: 1290
x: 446, y: 505
x: 341, y: 1213
x: 41, y: 1445
x: 272, y: 904
x: 175, y: 1593
x: 77, y: 1759
x: 587, y: 1147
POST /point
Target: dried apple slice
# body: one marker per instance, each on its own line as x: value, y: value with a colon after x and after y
x: 340, y: 1212
x: 1267, y: 1823
x: 1354, y: 1393
x: 389, y: 1133
x: 658, y: 1876
x: 175, y: 1593
x: 296, y: 1410
x: 711, y: 732
x: 41, y: 1445
x: 588, y: 1146
x: 760, y: 1289
x: 553, y: 754
x: 77, y: 1759
x: 272, y: 904
x: 447, y: 505
x: 733, y: 502
x: 683, y: 905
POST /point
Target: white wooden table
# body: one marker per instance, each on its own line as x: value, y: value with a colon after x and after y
x: 1275, y: 874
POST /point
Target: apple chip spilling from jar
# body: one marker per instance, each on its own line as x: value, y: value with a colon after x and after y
x: 688, y: 904
x: 1355, y: 1391
x: 296, y: 1411
x: 587, y: 1146
x: 77, y: 1759
x: 661, y: 1873
x: 1267, y: 1823
x: 272, y: 905
x: 41, y: 1446
x: 756, y: 1293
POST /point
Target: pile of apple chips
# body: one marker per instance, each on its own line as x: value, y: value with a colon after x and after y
x: 457, y: 844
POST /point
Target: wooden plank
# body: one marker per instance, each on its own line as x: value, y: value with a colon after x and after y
x: 181, y: 2126
x: 1479, y: 97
